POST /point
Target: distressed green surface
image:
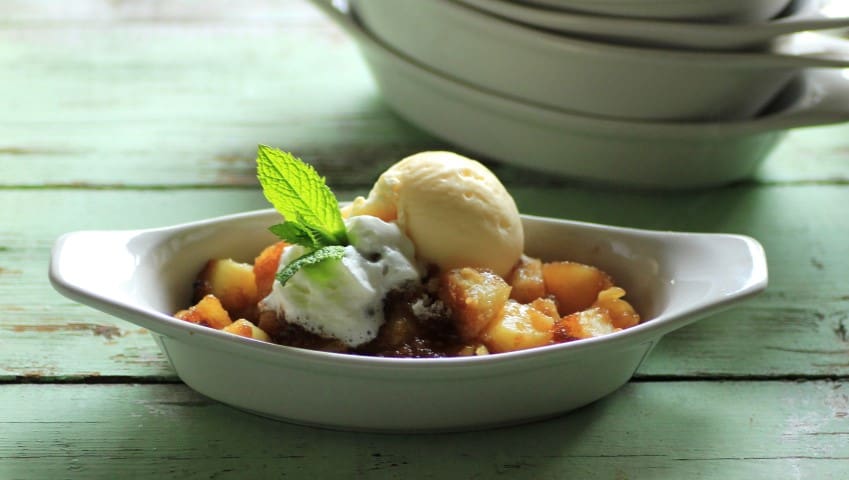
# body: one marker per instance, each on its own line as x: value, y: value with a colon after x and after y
x: 187, y: 101
x: 147, y: 113
x: 46, y: 336
x: 693, y: 430
x: 162, y: 94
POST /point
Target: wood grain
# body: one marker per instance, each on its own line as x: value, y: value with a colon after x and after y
x: 46, y: 337
x: 161, y: 93
x: 186, y: 102
x: 694, y: 430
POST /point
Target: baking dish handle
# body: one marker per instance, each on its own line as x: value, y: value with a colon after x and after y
x: 811, y: 50
x: 339, y: 11
x: 94, y: 266
x: 823, y: 100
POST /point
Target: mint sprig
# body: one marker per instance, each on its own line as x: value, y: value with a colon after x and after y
x: 311, y: 211
x: 302, y: 197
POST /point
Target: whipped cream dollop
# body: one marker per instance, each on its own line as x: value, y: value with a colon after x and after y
x: 343, y: 298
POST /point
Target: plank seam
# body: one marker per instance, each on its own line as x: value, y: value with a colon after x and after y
x: 739, y: 378
x: 834, y: 182
x: 127, y: 379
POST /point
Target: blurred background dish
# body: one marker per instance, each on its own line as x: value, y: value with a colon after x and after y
x: 592, y: 77
x: 800, y: 15
x: 722, y: 11
x: 667, y: 155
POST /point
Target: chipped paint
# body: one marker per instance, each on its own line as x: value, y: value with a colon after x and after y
x: 840, y: 330
x: 106, y: 331
x: 145, y: 358
x: 32, y: 151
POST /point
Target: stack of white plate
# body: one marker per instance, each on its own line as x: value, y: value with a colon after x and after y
x: 672, y: 93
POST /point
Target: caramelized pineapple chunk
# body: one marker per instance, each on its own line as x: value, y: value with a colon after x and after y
x: 207, y: 312
x: 519, y: 326
x: 546, y: 306
x: 473, y: 351
x: 608, y: 314
x: 244, y: 328
x: 475, y: 297
x: 575, y: 286
x: 621, y: 313
x: 233, y: 283
x: 265, y: 268
x: 592, y: 322
x: 526, y: 280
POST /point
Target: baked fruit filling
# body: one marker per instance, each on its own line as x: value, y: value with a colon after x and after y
x: 464, y: 311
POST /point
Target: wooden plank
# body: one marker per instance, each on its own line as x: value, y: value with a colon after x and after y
x: 165, y: 93
x: 736, y: 430
x: 803, y: 313
x: 46, y: 337
x: 92, y: 12
x: 187, y: 102
x: 810, y: 155
x: 797, y: 328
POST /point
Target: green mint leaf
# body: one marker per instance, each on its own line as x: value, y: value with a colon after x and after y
x: 295, y: 233
x: 301, y: 196
x: 312, y: 258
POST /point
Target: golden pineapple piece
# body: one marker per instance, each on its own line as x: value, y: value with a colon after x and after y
x: 608, y: 314
x: 265, y: 268
x: 592, y: 322
x: 475, y: 350
x: 247, y: 329
x: 519, y: 326
x: 475, y: 298
x: 526, y: 280
x: 546, y: 306
x: 575, y: 286
x: 207, y: 312
x: 233, y: 283
x: 621, y: 313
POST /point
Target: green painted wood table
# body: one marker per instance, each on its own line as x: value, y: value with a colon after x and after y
x: 138, y: 114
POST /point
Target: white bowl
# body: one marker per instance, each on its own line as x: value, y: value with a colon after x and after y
x: 638, y: 154
x: 144, y: 275
x: 803, y: 15
x: 595, y: 78
x: 721, y: 11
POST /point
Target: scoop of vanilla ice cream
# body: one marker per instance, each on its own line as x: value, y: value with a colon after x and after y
x: 343, y: 298
x: 454, y: 209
